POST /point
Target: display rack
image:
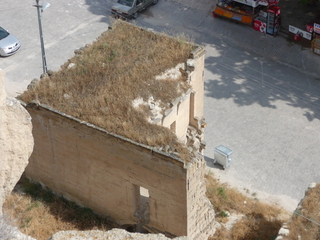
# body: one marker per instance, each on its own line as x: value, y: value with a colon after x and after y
x: 238, y: 10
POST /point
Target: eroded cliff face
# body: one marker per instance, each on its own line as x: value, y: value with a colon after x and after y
x: 16, y: 141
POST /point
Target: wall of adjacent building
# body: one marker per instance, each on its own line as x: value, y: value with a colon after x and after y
x: 178, y: 115
x: 188, y: 109
x: 195, y: 66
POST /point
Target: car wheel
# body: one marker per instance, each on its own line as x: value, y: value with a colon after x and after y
x: 155, y: 2
x: 135, y: 15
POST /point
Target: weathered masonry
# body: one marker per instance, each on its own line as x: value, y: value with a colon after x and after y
x: 118, y: 178
x: 115, y: 176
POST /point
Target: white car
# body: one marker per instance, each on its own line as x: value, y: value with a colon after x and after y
x: 9, y: 44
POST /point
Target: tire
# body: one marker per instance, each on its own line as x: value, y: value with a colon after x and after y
x: 135, y: 15
x: 155, y: 2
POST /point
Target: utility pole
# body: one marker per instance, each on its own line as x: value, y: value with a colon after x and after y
x: 43, y: 54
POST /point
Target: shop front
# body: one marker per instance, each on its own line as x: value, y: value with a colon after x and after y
x: 313, y: 27
x: 262, y: 15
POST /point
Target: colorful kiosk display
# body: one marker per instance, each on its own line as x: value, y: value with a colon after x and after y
x: 273, y: 20
x: 313, y: 27
x: 261, y: 14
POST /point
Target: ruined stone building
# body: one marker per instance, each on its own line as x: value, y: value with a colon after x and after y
x: 119, y: 129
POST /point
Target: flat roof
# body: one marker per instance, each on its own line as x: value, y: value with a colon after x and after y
x: 104, y: 81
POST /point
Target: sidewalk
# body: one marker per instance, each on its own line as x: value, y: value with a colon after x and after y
x: 195, y: 20
x: 277, y: 48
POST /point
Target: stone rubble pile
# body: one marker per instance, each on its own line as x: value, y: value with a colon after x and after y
x: 114, y: 234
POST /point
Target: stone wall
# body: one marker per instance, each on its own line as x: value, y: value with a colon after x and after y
x: 200, y: 210
x: 111, y: 175
x: 185, y: 117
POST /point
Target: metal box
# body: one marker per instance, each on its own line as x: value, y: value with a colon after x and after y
x: 222, y: 156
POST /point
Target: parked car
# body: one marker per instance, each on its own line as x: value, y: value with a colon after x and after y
x: 131, y: 8
x: 9, y: 44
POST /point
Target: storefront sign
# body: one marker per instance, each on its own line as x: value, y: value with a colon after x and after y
x: 259, y: 25
x: 316, y: 28
x: 227, y: 14
x: 300, y: 32
x: 255, y: 3
x: 237, y: 17
x: 309, y: 28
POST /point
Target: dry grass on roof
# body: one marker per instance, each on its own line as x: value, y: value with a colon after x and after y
x: 117, y: 68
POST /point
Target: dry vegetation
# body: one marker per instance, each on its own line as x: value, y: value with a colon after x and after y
x: 39, y: 213
x: 116, y: 69
x: 307, y: 228
x: 260, y: 220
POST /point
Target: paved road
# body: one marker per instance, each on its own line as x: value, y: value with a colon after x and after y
x: 67, y: 25
x: 261, y: 100
x: 261, y: 93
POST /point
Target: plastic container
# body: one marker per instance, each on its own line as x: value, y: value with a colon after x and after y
x: 222, y: 156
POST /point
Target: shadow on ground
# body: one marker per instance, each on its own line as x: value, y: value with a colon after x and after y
x: 294, y: 13
x: 241, y: 76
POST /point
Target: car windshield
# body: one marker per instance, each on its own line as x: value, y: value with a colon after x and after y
x: 128, y: 3
x: 3, y: 33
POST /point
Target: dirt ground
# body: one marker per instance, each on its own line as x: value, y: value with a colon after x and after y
x: 297, y: 14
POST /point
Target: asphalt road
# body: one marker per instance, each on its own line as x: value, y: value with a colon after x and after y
x: 67, y: 25
x: 261, y: 93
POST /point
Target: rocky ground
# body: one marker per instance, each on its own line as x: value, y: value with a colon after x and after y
x: 114, y: 234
